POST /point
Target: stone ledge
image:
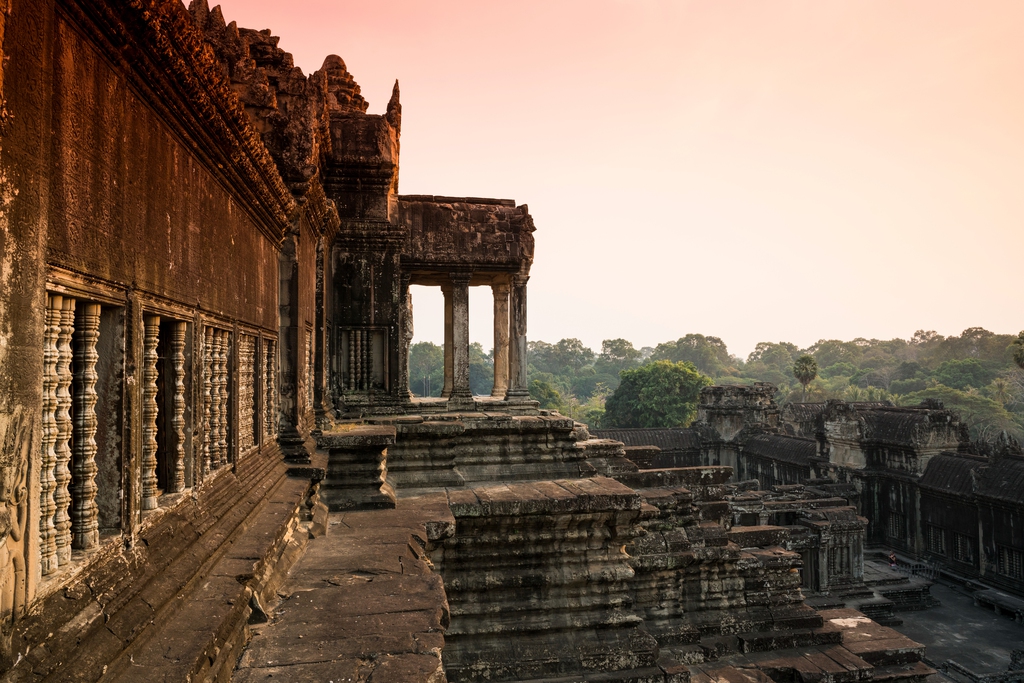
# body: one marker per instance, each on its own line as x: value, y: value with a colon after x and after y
x: 360, y: 436
x: 563, y: 496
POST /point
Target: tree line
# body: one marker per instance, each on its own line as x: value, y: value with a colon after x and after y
x: 973, y: 373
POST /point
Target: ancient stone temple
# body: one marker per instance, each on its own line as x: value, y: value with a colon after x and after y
x: 212, y: 466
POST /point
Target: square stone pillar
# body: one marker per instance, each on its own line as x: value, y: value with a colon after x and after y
x: 460, y: 338
x: 446, y: 391
x: 405, y: 334
x: 500, y: 292
x: 518, y: 389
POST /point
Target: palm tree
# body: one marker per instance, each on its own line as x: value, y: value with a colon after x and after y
x: 805, y: 370
x: 999, y: 390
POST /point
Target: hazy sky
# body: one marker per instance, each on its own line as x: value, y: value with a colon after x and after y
x: 755, y: 170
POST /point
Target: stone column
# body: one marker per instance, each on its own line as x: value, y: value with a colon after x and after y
x: 460, y: 337
x: 517, y: 385
x: 150, y: 410
x: 405, y: 332
x: 447, y: 390
x: 500, y: 292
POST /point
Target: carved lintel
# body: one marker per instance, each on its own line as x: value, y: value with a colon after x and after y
x: 62, y: 448
x: 176, y: 482
x: 47, y: 482
x: 150, y: 410
x: 85, y: 514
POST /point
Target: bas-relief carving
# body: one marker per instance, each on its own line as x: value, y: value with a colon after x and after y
x: 18, y: 440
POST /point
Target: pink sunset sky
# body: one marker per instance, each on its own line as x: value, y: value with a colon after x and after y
x: 755, y: 170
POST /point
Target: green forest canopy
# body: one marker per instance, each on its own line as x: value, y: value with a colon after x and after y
x: 973, y: 373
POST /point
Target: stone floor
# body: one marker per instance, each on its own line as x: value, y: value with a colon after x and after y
x: 972, y: 636
x: 360, y: 605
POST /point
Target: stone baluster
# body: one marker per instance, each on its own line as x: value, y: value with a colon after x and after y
x: 47, y: 481
x: 207, y: 400
x: 500, y: 292
x: 225, y: 398
x: 270, y: 384
x: 358, y: 336
x: 518, y: 388
x: 310, y: 373
x: 246, y: 392
x: 446, y: 391
x: 351, y: 359
x: 62, y: 448
x: 85, y: 522
x: 215, y: 407
x: 460, y: 337
x: 150, y: 410
x: 176, y: 483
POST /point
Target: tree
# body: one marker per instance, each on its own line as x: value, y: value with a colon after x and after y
x: 708, y: 354
x: 984, y: 417
x: 963, y: 373
x: 616, y: 355
x: 805, y: 370
x: 547, y: 395
x: 658, y: 394
x: 481, y: 370
x: 426, y: 369
x: 1018, y: 350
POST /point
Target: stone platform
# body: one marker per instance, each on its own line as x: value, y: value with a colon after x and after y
x: 361, y: 604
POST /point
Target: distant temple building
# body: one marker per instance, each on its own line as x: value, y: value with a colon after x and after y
x: 910, y: 472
